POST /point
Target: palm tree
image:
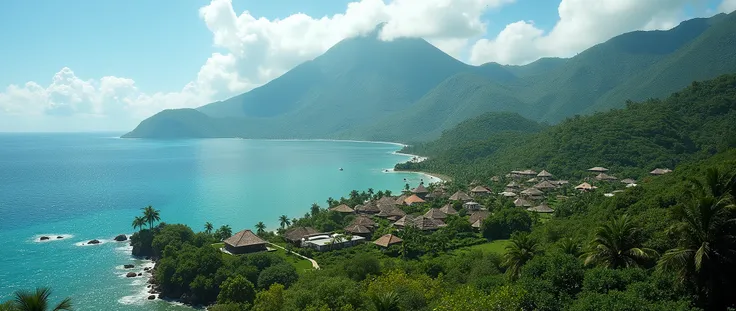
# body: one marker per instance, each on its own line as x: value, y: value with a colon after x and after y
x: 522, y: 249
x: 370, y: 192
x: 314, y: 209
x: 388, y: 301
x: 387, y: 193
x: 284, y: 220
x: 570, y: 246
x: 707, y: 246
x: 38, y: 301
x: 717, y: 184
x: 208, y: 227
x: 151, y: 215
x: 139, y: 222
x: 224, y: 232
x: 260, y: 228
x: 615, y: 245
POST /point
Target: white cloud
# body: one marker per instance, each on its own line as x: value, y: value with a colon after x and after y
x: 582, y: 24
x: 727, y: 6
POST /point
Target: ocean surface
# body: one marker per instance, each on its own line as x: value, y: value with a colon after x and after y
x: 90, y: 186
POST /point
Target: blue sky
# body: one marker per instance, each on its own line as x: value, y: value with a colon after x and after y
x: 162, y: 45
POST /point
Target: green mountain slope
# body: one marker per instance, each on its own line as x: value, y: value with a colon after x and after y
x: 408, y: 90
x: 696, y: 122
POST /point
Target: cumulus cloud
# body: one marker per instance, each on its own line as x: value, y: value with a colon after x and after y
x: 727, y: 6
x: 582, y: 24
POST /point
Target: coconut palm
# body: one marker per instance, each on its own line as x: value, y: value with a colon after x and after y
x: 314, y: 209
x: 139, y: 222
x: 38, y: 301
x: 224, y: 232
x: 388, y: 301
x: 522, y: 249
x: 260, y: 228
x: 615, y: 245
x: 208, y: 227
x: 570, y: 246
x: 151, y: 215
x: 284, y: 220
x: 387, y: 193
x: 370, y: 192
x: 707, y: 246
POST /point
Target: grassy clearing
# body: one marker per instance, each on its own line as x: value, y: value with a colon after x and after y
x: 301, y: 265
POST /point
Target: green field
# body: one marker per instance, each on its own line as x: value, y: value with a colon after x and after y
x: 497, y: 246
x: 301, y: 265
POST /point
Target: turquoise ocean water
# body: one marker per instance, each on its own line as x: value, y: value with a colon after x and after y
x: 90, y: 186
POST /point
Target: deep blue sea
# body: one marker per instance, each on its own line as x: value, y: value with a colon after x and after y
x: 90, y: 186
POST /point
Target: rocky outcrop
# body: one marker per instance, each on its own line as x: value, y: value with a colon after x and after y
x: 59, y: 237
x: 128, y: 266
x: 43, y: 238
x: 131, y: 275
x: 151, y: 297
x: 121, y: 238
x: 94, y: 242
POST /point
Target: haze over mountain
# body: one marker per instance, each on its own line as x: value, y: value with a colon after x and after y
x: 408, y: 90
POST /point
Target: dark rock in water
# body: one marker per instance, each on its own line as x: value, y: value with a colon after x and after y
x: 152, y: 297
x: 94, y: 242
x: 44, y: 238
x: 121, y: 238
x: 128, y: 266
x: 148, y: 258
x: 149, y: 286
x: 131, y: 275
x: 146, y: 268
x: 140, y: 274
x: 59, y: 237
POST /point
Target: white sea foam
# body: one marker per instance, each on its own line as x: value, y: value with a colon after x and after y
x: 140, y: 296
x: 84, y: 243
x: 52, y: 237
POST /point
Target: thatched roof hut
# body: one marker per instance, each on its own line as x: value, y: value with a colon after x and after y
x: 628, y: 181
x: 660, y: 171
x: 369, y: 207
x: 544, y: 185
x: 544, y: 174
x: 420, y: 189
x: 528, y: 173
x: 532, y: 192
x: 419, y: 222
x: 584, y: 187
x: 244, y: 242
x: 542, y: 208
x: 342, y: 208
x: 598, y: 169
x: 495, y: 179
x: 476, y: 219
x: 295, y: 234
x: 605, y: 177
x: 364, y: 221
x: 460, y: 196
x: 389, y: 211
x: 400, y: 199
x: 387, y: 240
x: 413, y: 199
x: 357, y: 229
x: 508, y: 194
x: 480, y: 190
x: 522, y: 203
x: 559, y: 182
x: 513, y: 184
x: 448, y: 209
x: 435, y: 213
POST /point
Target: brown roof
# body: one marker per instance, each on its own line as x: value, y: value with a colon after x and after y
x: 297, y: 233
x: 387, y: 240
x: 532, y: 192
x: 342, y: 208
x: 400, y: 199
x: 364, y: 221
x: 584, y: 186
x: 478, y: 216
x: 544, y: 173
x: 435, y: 213
x: 448, y: 210
x: 512, y: 184
x: 508, y: 194
x: 413, y: 199
x: 420, y: 189
x: 598, y: 169
x: 545, y: 185
x: 543, y: 208
x: 368, y: 207
x: 495, y: 179
x: 522, y: 203
x: 419, y: 222
x: 390, y: 210
x: 357, y: 229
x: 604, y: 176
x: 628, y: 181
x: 480, y: 189
x: 660, y: 171
x: 460, y: 196
x: 244, y: 238
x: 386, y: 200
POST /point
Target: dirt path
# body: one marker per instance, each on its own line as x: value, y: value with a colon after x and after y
x: 314, y: 263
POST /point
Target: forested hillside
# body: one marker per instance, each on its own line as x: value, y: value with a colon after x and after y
x: 694, y: 123
x: 407, y: 90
